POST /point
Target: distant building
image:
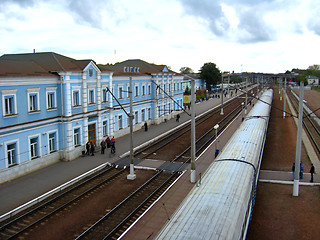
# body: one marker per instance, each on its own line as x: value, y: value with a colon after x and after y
x: 52, y: 105
x: 199, y: 83
x: 313, y: 80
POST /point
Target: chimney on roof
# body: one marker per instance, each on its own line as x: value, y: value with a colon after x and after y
x: 34, y: 50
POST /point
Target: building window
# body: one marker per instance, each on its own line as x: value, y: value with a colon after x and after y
x: 136, y: 93
x: 76, y: 137
x: 76, y: 98
x: 34, y: 147
x: 91, y: 96
x: 50, y: 100
x: 105, y: 128
x: 90, y: 72
x: 149, y: 89
x: 143, y: 114
x: 120, y: 121
x: 11, y: 154
x: 104, y: 95
x: 149, y: 113
x: 143, y: 90
x: 9, y: 105
x: 136, y: 114
x: 120, y: 92
x: 169, y: 87
x: 33, y: 102
x: 52, y: 142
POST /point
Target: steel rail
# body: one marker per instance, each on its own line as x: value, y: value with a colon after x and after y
x: 44, y: 205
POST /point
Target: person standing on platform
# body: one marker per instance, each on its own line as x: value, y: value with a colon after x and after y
x: 311, y: 172
x: 145, y: 126
x: 108, y: 142
x: 113, y: 145
x: 103, y: 146
x: 92, y: 148
x: 293, y: 170
x: 88, y: 148
x: 301, y: 170
x: 178, y: 117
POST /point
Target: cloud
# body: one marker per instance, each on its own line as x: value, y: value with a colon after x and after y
x: 210, y: 11
x: 250, y: 26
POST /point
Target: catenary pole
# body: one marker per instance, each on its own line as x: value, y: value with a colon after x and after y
x: 193, y: 134
x: 221, y: 95
x: 285, y: 97
x: 131, y: 176
x: 298, y: 145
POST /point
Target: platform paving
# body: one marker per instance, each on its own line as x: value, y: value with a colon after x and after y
x: 25, y: 188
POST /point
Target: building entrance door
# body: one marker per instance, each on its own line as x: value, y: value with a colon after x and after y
x: 92, y: 133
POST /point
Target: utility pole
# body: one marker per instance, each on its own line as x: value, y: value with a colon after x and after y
x: 285, y: 95
x: 298, y: 145
x: 131, y: 176
x: 245, y: 107
x: 221, y: 95
x: 193, y: 134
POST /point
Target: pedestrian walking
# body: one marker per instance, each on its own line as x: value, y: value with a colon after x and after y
x: 293, y: 170
x: 178, y: 117
x: 92, y: 148
x: 301, y: 170
x: 113, y: 145
x: 145, y: 126
x: 103, y: 146
x: 311, y: 172
x: 88, y: 148
x: 108, y: 142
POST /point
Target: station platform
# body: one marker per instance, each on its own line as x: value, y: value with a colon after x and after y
x: 32, y: 185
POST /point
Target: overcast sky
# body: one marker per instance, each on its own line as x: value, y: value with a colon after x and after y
x: 249, y: 35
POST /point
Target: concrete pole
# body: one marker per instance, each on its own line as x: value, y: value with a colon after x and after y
x: 285, y: 96
x: 131, y: 176
x: 193, y: 134
x: 221, y: 95
x: 245, y: 107
x: 298, y: 145
x: 228, y: 86
x: 280, y: 88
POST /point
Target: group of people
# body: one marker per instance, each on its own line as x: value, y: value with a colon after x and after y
x: 108, y: 143
x: 312, y: 170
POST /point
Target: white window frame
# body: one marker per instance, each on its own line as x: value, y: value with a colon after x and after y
x: 55, y: 142
x: 136, y: 90
x: 149, y: 89
x: 38, y: 149
x: 76, y: 89
x: 143, y: 115
x: 120, y: 91
x: 79, y: 137
x: 105, y: 127
x: 104, y: 93
x: 143, y: 90
x: 17, y: 153
x: 50, y: 90
x: 149, y: 113
x: 136, y: 117
x: 93, y: 96
x: 120, y: 123
x: 8, y: 93
x: 128, y: 91
x: 33, y: 92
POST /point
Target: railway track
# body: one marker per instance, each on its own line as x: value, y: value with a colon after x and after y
x: 119, y: 218
x: 309, y: 124
x: 115, y: 222
x: 180, y: 139
x: 16, y: 227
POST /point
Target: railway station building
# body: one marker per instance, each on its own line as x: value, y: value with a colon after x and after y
x: 52, y: 105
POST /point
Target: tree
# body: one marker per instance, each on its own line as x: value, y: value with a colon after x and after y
x: 211, y: 74
x: 186, y: 70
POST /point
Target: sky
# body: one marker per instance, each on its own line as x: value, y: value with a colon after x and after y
x: 269, y: 36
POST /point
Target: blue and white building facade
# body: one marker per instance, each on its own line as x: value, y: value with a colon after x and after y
x: 51, y: 105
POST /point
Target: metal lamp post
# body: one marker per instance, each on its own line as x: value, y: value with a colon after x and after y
x: 131, y: 176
